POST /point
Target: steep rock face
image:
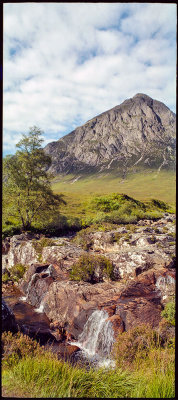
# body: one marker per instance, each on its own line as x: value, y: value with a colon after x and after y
x: 140, y: 131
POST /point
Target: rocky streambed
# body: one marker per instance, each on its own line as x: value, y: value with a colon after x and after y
x: 49, y: 305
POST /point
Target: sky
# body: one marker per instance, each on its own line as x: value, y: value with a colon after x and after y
x: 65, y: 63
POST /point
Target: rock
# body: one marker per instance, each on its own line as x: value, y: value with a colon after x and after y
x: 21, y: 251
x: 139, y: 303
x: 120, y: 136
x: 42, y: 335
x: 5, y: 245
x: 144, y: 273
x: 165, y: 283
x: 117, y: 324
x: 72, y: 303
x: 8, y: 319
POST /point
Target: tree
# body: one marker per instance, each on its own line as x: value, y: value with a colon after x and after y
x: 27, y: 194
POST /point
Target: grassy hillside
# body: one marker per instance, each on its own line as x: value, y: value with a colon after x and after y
x: 97, y: 198
x: 142, y: 186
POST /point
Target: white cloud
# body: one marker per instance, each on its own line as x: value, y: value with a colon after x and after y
x: 66, y: 62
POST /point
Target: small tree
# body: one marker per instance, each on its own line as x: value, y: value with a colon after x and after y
x: 27, y: 194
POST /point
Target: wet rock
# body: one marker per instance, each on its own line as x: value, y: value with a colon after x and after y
x: 8, y: 319
x: 72, y: 303
x: 42, y: 335
x: 117, y: 324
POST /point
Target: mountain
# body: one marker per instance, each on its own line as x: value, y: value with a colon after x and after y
x: 137, y: 134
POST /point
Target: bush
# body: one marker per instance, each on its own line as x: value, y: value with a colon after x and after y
x: 17, y: 346
x: 159, y: 204
x: 169, y: 312
x: 17, y: 272
x: 116, y: 201
x: 135, y: 344
x: 5, y: 277
x: 90, y: 268
x: 10, y: 231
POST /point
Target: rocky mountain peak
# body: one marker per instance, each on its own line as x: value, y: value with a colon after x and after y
x: 139, y: 131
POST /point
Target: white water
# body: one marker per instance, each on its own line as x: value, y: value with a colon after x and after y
x: 34, y: 276
x: 25, y: 298
x: 97, y: 339
x: 40, y: 309
x: 162, y: 282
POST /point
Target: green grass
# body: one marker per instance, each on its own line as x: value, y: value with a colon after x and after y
x: 30, y: 371
x: 49, y: 377
x: 83, y: 210
x: 46, y: 376
x: 142, y: 186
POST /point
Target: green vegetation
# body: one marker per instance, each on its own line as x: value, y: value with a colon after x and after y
x: 92, y: 201
x: 41, y: 243
x: 143, y: 186
x: 151, y: 358
x: 169, y: 312
x: 27, y: 196
x: 90, y: 268
x: 16, y: 272
x: 144, y: 369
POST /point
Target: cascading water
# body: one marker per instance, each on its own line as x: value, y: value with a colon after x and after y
x: 162, y: 282
x: 97, y: 338
x: 33, y: 278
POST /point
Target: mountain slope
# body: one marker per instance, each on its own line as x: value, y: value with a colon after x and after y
x: 137, y: 134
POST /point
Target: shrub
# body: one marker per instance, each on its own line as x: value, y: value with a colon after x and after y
x: 17, y: 272
x: 6, y: 277
x: 90, y: 268
x: 159, y: 204
x: 169, y: 312
x: 135, y: 344
x: 17, y: 346
x: 116, y: 201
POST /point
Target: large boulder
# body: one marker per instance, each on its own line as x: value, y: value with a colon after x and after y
x: 140, y: 303
x: 8, y: 319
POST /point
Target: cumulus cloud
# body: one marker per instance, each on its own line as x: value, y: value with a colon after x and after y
x: 64, y: 63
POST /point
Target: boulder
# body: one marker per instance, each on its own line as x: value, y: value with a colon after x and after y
x: 139, y: 303
x: 117, y: 324
x: 8, y: 319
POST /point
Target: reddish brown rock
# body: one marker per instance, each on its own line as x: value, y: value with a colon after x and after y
x: 117, y: 324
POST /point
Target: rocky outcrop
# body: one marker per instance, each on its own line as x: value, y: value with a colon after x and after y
x: 144, y: 277
x: 18, y: 249
x: 138, y: 132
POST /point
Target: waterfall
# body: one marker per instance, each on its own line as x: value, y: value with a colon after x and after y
x: 40, y: 309
x: 97, y: 338
x: 34, y: 277
x: 32, y: 280
x: 162, y: 282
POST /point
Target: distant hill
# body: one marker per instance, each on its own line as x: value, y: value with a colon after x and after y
x: 135, y: 135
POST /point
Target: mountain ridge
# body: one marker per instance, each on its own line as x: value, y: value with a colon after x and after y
x: 140, y: 132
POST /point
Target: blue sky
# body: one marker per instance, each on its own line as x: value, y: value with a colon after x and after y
x: 65, y: 63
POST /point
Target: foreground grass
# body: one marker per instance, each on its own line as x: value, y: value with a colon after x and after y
x: 44, y: 376
x: 49, y: 377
